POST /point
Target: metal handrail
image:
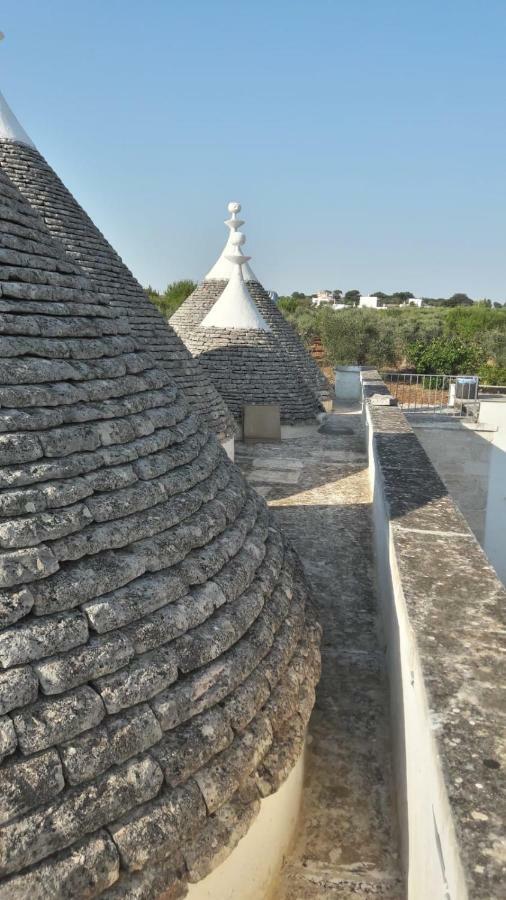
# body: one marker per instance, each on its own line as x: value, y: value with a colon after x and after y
x: 455, y: 395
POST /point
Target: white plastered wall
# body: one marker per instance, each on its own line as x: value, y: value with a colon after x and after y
x: 252, y: 869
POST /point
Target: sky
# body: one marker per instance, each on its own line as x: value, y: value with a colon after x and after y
x: 365, y: 139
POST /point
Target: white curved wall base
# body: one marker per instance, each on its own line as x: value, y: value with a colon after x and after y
x: 251, y: 870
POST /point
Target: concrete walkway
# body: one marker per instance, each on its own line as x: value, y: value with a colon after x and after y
x: 318, y: 488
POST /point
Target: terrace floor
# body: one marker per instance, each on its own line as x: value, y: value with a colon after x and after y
x: 318, y: 488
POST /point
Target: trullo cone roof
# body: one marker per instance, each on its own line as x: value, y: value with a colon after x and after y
x: 243, y: 355
x: 194, y: 309
x: 157, y: 659
x: 81, y: 238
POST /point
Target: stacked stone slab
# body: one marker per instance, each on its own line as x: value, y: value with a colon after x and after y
x: 157, y: 653
x: 84, y: 242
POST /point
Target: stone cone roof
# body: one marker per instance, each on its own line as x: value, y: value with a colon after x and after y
x: 197, y: 305
x: 246, y: 366
x: 157, y: 654
x: 67, y: 221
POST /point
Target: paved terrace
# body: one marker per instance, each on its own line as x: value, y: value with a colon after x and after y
x: 318, y: 486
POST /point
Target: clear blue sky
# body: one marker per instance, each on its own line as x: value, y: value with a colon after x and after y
x: 365, y: 138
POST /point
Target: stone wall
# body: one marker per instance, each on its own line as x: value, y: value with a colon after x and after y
x: 443, y: 623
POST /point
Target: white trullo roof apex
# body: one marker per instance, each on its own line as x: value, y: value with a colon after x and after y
x: 235, y: 308
x: 10, y: 128
x: 223, y: 268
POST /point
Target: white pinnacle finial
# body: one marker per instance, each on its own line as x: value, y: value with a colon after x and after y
x: 222, y: 269
x: 235, y: 308
x: 10, y: 128
x: 237, y: 239
x: 234, y: 223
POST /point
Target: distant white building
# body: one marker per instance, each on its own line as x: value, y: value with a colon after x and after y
x: 367, y: 302
x: 413, y: 301
x: 326, y: 298
x: 323, y: 298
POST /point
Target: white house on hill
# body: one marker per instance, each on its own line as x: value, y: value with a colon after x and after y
x: 367, y: 302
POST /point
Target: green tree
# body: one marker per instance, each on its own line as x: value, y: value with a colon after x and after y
x: 446, y: 356
x: 287, y: 304
x: 458, y: 300
x: 356, y: 336
x: 173, y: 296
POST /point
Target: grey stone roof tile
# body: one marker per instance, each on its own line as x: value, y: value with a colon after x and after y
x: 54, y: 719
x: 8, y: 737
x: 26, y: 783
x: 117, y: 739
x: 156, y: 831
x: 18, y: 687
x: 80, y: 811
x: 147, y: 675
x: 87, y: 869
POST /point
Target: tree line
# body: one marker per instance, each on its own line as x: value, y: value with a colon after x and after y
x: 458, y: 340
x: 461, y: 336
x: 351, y: 298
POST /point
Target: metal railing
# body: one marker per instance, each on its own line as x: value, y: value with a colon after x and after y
x: 454, y: 395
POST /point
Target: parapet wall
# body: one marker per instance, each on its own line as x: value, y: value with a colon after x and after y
x: 443, y: 622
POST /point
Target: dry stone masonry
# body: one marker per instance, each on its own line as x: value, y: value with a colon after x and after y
x: 158, y: 654
x: 291, y: 349
x: 68, y: 222
x: 246, y: 367
x: 245, y: 360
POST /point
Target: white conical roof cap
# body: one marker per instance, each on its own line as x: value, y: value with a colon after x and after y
x: 10, y: 128
x: 235, y: 308
x: 223, y: 268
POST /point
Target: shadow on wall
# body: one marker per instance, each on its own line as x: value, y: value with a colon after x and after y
x: 472, y: 464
